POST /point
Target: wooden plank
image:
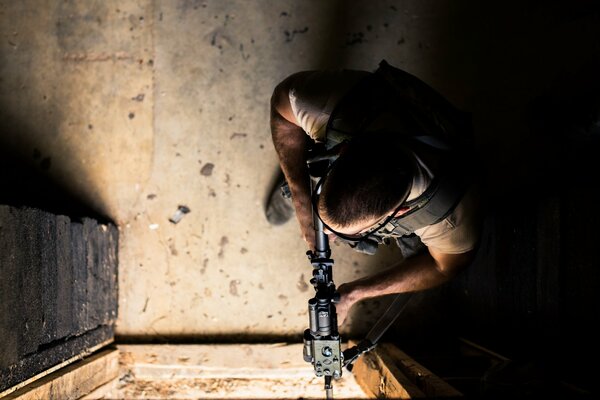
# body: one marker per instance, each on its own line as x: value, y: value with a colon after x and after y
x: 379, y: 377
x: 549, y: 279
x: 48, y: 244
x: 31, y: 326
x: 113, y: 262
x: 79, y: 291
x: 74, y: 381
x: 39, y: 364
x: 11, y: 321
x: 426, y: 381
x: 107, y: 235
x: 64, y: 324
x: 94, y: 292
x: 104, y: 273
x: 474, y: 348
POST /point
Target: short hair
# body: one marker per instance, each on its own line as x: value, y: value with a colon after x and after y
x: 371, y: 177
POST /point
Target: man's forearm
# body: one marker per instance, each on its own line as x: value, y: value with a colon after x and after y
x: 417, y: 273
x: 291, y: 144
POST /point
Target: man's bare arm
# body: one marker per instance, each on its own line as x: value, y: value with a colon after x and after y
x: 291, y: 144
x: 421, y: 272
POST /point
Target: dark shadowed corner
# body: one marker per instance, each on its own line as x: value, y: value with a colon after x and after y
x: 529, y: 75
x: 26, y: 173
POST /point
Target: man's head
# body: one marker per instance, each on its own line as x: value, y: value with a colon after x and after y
x: 369, y: 181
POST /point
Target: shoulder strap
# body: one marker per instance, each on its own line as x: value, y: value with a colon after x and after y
x: 439, y: 200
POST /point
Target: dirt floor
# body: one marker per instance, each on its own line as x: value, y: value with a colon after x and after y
x: 239, y: 371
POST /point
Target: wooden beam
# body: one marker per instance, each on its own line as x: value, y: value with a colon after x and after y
x: 424, y: 379
x: 387, y: 372
x: 74, y: 381
x: 103, y: 336
x: 469, y: 347
x: 379, y: 377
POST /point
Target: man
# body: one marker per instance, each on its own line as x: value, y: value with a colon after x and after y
x: 404, y: 169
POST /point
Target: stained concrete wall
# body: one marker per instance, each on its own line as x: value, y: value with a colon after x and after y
x: 139, y: 107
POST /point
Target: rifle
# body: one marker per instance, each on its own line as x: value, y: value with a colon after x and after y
x: 322, y: 342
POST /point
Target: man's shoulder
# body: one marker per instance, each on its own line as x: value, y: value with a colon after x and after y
x: 460, y: 231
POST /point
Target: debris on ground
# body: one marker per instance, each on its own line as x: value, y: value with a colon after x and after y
x: 181, y: 211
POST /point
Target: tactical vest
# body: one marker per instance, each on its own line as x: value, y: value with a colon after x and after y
x: 425, y: 118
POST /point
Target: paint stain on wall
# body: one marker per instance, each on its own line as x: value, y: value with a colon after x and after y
x: 222, y: 244
x: 302, y: 285
x: 233, y: 287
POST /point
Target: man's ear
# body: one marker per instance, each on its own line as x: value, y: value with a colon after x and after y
x: 401, y: 211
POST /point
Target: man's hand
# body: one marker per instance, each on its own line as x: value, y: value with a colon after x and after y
x: 420, y: 272
x: 346, y: 302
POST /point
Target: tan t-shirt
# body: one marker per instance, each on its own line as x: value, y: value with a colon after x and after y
x: 313, y: 97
